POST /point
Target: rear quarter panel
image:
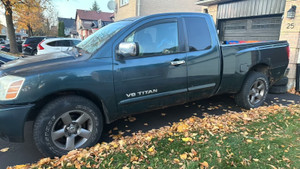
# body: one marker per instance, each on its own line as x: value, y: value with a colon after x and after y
x: 239, y: 59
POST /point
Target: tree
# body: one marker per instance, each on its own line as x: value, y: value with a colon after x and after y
x: 95, y: 7
x: 8, y: 6
x: 61, y: 29
x: 30, y: 16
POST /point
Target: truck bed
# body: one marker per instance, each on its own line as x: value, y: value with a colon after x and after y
x: 238, y: 59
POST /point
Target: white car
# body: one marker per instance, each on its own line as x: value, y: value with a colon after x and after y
x: 56, y: 45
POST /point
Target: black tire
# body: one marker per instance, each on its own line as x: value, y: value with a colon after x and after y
x: 34, y: 53
x: 254, y: 91
x: 282, y: 82
x: 278, y: 89
x: 67, y: 123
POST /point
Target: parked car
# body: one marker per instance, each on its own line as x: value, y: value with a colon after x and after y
x: 29, y: 47
x: 56, y: 45
x: 6, y: 58
x: 131, y: 66
x: 6, y: 47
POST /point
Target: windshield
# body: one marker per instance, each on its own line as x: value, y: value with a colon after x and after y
x: 96, y: 40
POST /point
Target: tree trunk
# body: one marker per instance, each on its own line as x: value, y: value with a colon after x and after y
x: 30, y: 32
x: 10, y: 29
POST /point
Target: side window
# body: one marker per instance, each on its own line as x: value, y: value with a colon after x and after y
x: 63, y: 43
x: 159, y: 39
x: 198, y: 34
x: 52, y: 43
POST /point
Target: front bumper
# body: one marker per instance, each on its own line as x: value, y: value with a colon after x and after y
x: 12, y: 121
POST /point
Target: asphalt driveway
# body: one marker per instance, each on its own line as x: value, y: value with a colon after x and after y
x: 20, y: 153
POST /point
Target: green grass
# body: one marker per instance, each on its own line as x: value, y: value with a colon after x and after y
x: 272, y: 142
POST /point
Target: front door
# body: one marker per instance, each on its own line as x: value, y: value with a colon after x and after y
x: 157, y: 77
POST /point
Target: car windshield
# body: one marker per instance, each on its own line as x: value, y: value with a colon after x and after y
x: 96, y: 40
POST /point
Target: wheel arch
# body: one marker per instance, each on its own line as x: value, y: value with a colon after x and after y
x: 86, y: 94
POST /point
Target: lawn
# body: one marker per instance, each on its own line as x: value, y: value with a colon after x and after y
x: 267, y: 137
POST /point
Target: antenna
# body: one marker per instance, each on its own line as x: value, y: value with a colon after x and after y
x: 112, y: 5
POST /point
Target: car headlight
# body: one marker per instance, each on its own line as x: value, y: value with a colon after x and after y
x: 10, y: 87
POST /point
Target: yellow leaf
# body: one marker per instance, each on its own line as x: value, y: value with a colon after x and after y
x: 249, y: 141
x: 183, y: 156
x: 182, y: 127
x: 176, y: 161
x: 3, y: 150
x: 151, y: 149
x: 171, y: 140
x: 256, y: 160
x: 20, y: 166
x: 186, y: 139
x: 204, y: 164
x: 134, y: 158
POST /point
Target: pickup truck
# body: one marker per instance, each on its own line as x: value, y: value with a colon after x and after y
x: 131, y: 66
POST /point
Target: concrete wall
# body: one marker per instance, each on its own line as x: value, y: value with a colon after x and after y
x: 290, y: 31
x: 148, y: 7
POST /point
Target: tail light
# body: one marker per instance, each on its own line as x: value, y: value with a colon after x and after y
x: 25, y: 45
x: 40, y: 47
x: 288, y: 52
x: 2, y: 47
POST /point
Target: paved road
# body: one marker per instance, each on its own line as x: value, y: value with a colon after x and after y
x: 27, y: 153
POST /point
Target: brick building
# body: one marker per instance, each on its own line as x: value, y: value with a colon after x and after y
x: 258, y: 20
x: 88, y: 22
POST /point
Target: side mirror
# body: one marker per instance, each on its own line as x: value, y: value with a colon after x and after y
x: 128, y: 49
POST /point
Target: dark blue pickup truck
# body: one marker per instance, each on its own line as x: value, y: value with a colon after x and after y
x: 131, y: 66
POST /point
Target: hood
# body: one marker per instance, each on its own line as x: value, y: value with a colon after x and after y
x: 38, y: 62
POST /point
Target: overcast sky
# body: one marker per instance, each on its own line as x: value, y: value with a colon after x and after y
x: 67, y: 8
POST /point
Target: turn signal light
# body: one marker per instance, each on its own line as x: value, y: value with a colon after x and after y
x: 14, y: 89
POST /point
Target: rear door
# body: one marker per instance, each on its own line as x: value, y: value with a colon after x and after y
x: 203, y: 58
x: 157, y: 76
x: 64, y: 45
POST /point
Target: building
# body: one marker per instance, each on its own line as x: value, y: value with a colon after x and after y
x: 240, y: 21
x: 132, y: 8
x: 69, y: 26
x: 88, y: 22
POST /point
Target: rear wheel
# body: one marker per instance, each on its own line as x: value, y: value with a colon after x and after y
x: 254, y: 91
x: 67, y: 123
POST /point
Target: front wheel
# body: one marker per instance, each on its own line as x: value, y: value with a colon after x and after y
x: 254, y: 91
x: 67, y: 123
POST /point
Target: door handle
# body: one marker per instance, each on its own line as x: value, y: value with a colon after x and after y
x: 177, y: 62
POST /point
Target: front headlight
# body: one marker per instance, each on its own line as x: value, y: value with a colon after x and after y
x: 10, y: 87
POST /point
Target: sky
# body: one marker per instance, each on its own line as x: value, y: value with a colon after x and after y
x: 67, y: 8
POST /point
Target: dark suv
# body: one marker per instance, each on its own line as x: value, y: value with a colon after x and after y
x: 29, y: 47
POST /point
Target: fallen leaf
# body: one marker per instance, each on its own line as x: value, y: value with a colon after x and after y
x: 171, y: 140
x: 132, y: 119
x: 218, y: 153
x: 204, y: 164
x: 186, y: 139
x: 145, y: 124
x: 163, y: 114
x: 249, y: 141
x: 183, y: 156
x: 151, y: 149
x: 176, y: 161
x: 3, y: 150
x: 256, y: 160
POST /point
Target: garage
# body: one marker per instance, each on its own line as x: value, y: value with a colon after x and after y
x: 250, y: 20
x: 250, y: 29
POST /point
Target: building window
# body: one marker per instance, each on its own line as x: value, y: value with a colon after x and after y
x: 123, y: 2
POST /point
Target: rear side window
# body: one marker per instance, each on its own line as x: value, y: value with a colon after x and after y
x: 198, y: 34
x: 63, y: 43
x: 52, y: 43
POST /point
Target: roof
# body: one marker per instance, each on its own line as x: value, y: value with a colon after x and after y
x: 69, y: 22
x: 212, y: 2
x: 94, y: 15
